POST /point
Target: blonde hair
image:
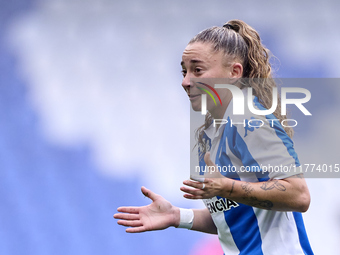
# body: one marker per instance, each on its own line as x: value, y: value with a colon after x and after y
x: 241, y: 42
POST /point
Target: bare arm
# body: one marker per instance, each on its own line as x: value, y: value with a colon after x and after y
x: 290, y: 194
x: 203, y: 221
x: 160, y: 214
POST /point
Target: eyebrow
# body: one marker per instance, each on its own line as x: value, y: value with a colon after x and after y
x: 192, y: 61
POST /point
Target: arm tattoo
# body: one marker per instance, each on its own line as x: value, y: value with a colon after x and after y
x: 232, y: 188
x: 269, y: 185
x: 265, y: 204
x: 253, y: 201
x: 247, y: 188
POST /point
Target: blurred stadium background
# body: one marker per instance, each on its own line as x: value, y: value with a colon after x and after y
x: 87, y: 116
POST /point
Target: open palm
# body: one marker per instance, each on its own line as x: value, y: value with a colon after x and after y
x: 160, y: 214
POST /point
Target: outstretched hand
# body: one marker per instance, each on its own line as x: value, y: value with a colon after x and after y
x: 213, y: 183
x: 160, y: 214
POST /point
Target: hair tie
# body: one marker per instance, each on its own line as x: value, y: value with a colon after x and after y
x: 228, y: 26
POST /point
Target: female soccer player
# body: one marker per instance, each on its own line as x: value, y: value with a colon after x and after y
x: 252, y: 212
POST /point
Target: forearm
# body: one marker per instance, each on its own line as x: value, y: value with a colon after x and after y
x: 289, y: 194
x: 203, y: 221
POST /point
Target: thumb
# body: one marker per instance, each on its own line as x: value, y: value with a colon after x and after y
x: 208, y: 160
x: 148, y: 193
x: 212, y: 170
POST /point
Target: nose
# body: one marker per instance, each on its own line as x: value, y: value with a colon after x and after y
x: 186, y: 82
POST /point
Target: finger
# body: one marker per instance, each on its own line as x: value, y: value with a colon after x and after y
x: 136, y: 230
x: 130, y: 223
x: 148, y: 193
x: 128, y: 209
x: 194, y: 192
x: 125, y: 216
x: 207, y: 159
x: 199, y: 179
x: 190, y: 196
x: 213, y: 171
x: 197, y: 185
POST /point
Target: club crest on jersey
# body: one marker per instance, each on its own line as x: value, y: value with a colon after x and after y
x: 251, y: 128
x: 220, y: 205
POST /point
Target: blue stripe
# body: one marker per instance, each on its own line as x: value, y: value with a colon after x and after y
x: 240, y: 149
x: 302, y: 234
x: 224, y: 160
x: 244, y: 228
x: 280, y: 133
x: 241, y: 220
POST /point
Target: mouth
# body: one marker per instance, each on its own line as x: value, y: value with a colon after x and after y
x: 191, y: 97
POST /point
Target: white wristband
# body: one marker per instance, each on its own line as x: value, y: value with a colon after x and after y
x: 186, y: 218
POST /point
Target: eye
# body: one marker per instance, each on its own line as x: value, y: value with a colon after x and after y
x: 197, y: 70
x: 184, y: 72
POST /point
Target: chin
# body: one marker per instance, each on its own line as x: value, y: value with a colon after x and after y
x: 196, y: 107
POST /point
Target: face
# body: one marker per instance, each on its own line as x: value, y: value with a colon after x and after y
x: 200, y: 61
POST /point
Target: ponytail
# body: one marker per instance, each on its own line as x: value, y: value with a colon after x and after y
x: 258, y: 69
x: 256, y: 64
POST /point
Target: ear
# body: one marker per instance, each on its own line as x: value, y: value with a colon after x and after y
x: 236, y: 70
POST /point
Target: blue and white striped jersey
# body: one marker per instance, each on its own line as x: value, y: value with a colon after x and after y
x: 243, y: 229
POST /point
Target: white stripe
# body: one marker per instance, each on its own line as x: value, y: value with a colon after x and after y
x: 226, y: 239
x: 278, y: 232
